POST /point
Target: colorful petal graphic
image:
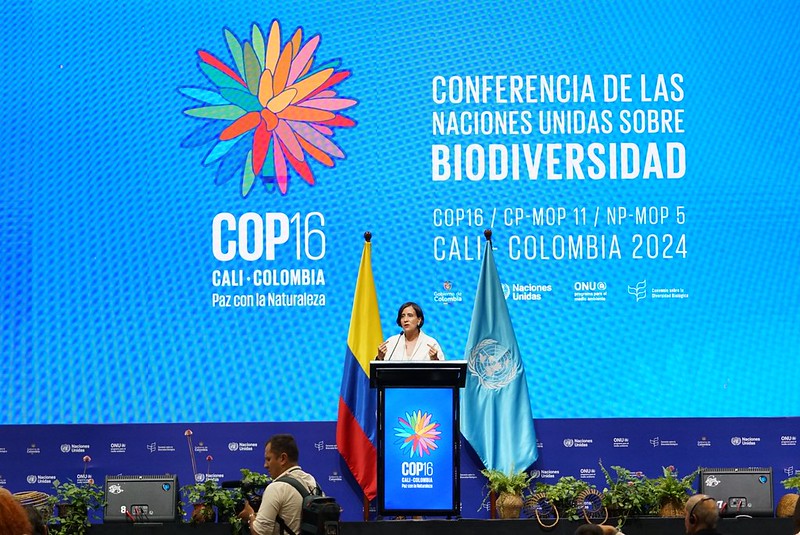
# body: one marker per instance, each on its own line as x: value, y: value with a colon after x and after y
x: 276, y: 108
x: 417, y: 434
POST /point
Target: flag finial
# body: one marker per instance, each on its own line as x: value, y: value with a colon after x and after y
x: 368, y: 236
x: 488, y: 234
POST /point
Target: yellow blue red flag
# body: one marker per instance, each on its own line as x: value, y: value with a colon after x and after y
x: 356, y: 429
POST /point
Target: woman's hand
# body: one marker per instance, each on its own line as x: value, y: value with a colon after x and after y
x: 381, y: 352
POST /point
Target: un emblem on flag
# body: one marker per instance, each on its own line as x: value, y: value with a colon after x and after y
x: 492, y: 364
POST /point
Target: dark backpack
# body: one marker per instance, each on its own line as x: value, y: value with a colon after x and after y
x: 319, y: 515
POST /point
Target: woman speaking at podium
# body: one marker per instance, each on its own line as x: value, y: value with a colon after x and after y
x: 412, y: 343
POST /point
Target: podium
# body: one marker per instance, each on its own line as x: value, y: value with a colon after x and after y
x: 418, y: 436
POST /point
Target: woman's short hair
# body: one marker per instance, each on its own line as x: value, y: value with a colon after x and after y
x: 416, y: 308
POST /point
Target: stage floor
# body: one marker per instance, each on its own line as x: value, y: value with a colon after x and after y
x: 635, y: 526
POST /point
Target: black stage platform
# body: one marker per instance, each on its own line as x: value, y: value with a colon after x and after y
x: 635, y: 526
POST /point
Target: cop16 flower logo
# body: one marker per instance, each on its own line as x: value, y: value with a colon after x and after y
x: 271, y: 112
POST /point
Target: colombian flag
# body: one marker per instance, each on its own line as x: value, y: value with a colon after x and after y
x: 356, y: 430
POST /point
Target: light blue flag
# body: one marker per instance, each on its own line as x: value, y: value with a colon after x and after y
x: 496, y: 414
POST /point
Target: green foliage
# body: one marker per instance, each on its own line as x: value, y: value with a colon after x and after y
x: 564, y: 495
x: 254, y: 479
x: 514, y: 483
x: 500, y: 482
x: 627, y: 493
x: 74, y: 503
x: 210, y: 493
x: 668, y: 488
x: 792, y: 483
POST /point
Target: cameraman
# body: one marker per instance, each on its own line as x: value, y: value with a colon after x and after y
x: 279, y: 500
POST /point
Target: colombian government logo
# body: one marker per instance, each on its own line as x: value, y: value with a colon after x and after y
x: 492, y: 364
x: 417, y: 434
x: 270, y: 112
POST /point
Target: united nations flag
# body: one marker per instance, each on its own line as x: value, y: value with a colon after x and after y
x: 496, y: 414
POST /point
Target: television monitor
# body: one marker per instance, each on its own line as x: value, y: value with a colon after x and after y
x: 739, y: 491
x: 141, y: 498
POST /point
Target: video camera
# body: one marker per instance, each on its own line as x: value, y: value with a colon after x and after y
x: 250, y: 492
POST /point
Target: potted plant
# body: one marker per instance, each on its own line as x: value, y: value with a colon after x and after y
x: 226, y: 501
x: 508, y: 488
x: 788, y: 502
x: 670, y: 492
x: 564, y: 495
x: 207, y: 496
x: 627, y: 494
x: 74, y: 501
x: 200, y: 496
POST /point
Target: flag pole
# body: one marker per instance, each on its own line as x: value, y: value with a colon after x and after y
x: 368, y: 239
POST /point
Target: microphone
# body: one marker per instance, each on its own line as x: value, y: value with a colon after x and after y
x: 402, y: 335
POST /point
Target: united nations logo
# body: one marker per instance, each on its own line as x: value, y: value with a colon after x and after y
x: 568, y: 442
x: 65, y: 448
x: 736, y: 441
x: 535, y: 474
x: 31, y: 479
x: 233, y: 446
x: 199, y: 478
x: 492, y: 364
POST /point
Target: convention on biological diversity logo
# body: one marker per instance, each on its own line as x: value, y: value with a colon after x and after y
x: 270, y: 112
x: 417, y: 434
